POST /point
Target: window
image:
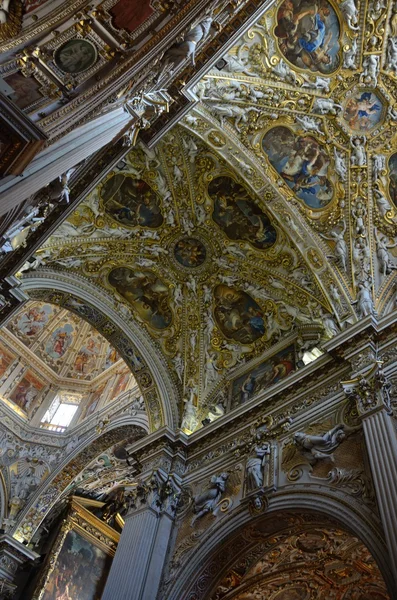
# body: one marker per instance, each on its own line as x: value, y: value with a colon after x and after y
x: 61, y: 412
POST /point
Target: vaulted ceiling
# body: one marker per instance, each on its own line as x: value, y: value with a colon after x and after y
x: 267, y: 212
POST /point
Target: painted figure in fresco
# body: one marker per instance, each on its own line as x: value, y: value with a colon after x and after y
x: 60, y: 343
x: 146, y: 293
x: 237, y: 214
x: 362, y: 111
x: 131, y: 202
x: 33, y: 320
x: 308, y: 34
x: 85, y: 359
x: 302, y: 162
x: 190, y: 252
x: 239, y: 317
x: 269, y: 372
x: 248, y: 388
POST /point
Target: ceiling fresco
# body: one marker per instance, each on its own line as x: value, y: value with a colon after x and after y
x: 63, y: 341
x: 269, y: 208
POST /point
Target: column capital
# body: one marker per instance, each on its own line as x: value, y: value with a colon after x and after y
x: 370, y: 390
x: 160, y: 492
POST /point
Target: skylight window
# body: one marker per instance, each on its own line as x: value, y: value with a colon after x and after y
x: 61, y: 412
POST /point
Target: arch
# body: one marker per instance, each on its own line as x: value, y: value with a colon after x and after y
x: 38, y: 507
x: 205, y: 567
x: 154, y: 378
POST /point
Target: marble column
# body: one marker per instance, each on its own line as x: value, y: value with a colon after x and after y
x: 371, y: 394
x: 139, y: 560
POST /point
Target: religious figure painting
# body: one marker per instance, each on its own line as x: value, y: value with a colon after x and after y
x: 308, y: 35
x: 120, y: 386
x: 112, y: 356
x: 362, y: 111
x: 146, y: 293
x: 238, y: 216
x: 93, y: 401
x: 76, y: 56
x: 302, y: 162
x: 190, y: 252
x: 25, y: 89
x: 32, y: 321
x: 130, y: 14
x: 5, y: 360
x: 131, y: 202
x: 80, y: 571
x: 238, y: 316
x: 269, y: 372
x: 85, y: 359
x: 393, y: 178
x: 60, y: 341
x: 26, y: 393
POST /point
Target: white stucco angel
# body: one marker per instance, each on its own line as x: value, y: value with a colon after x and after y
x: 350, y: 13
x: 365, y: 305
x: 340, y: 165
x: 255, y: 467
x: 340, y: 249
x: 358, y: 157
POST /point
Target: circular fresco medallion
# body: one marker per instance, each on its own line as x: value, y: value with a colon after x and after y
x: 362, y: 110
x: 75, y: 56
x: 190, y: 252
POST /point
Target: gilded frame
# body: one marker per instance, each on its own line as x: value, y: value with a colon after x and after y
x: 84, y: 523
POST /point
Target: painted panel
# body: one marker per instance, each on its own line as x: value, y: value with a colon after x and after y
x: 269, y: 372
x: 238, y: 316
x: 131, y: 201
x: 6, y: 358
x: 308, y: 35
x: 130, y: 14
x: 302, y: 162
x: 60, y: 341
x: 148, y: 295
x: 238, y: 216
x: 26, y: 89
x: 32, y: 321
x: 80, y: 571
x: 27, y: 392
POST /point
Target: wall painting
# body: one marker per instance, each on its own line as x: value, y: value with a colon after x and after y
x: 362, y: 111
x: 27, y: 392
x: 5, y: 360
x: 33, y: 320
x: 308, y: 35
x: 112, y: 356
x: 238, y: 216
x: 271, y: 371
x: 80, y: 570
x: 238, y: 316
x: 120, y: 386
x: 147, y: 294
x: 131, y: 201
x: 302, y: 162
x: 85, y: 360
x: 130, y: 14
x: 93, y: 401
x: 26, y: 89
x: 60, y: 341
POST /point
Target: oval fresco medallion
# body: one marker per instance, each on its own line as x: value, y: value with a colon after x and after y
x: 362, y: 111
x: 190, y: 252
x: 238, y: 316
x: 76, y: 56
x: 302, y: 162
x: 393, y: 178
x: 238, y: 216
x: 146, y: 293
x: 131, y: 201
x: 308, y: 35
x: 311, y: 541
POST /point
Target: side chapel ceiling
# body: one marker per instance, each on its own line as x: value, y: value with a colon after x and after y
x: 271, y: 208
